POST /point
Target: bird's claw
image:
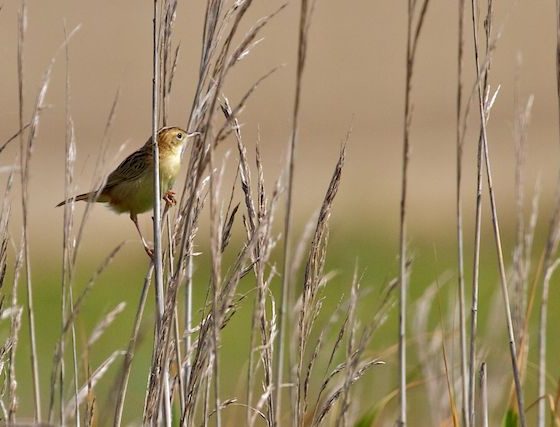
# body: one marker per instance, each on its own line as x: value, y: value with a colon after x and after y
x: 149, y: 251
x: 169, y: 198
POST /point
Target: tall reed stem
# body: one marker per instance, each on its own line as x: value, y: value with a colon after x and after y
x: 157, y: 256
x: 403, y: 282
x: 459, y: 208
x: 287, y: 256
x: 412, y: 37
x: 25, y: 154
x: 483, y: 379
x: 483, y: 110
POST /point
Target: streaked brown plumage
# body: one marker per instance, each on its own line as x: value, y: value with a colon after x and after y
x: 129, y: 188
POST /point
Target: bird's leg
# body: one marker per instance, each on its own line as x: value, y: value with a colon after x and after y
x: 148, y: 250
x: 169, y: 198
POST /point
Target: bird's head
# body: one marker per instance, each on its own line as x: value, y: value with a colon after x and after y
x: 171, y: 137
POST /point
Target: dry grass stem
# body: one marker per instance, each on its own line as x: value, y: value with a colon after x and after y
x: 105, y: 323
x: 129, y: 355
x: 313, y: 281
x: 306, y: 11
x: 483, y: 382
x: 430, y: 345
x: 413, y: 34
x: 482, y: 78
x: 258, y: 213
x: 549, y: 262
x: 19, y: 133
x: 25, y: 157
x: 459, y: 213
x: 92, y: 380
x: 26, y: 150
x: 484, y: 108
x: 15, y: 326
x: 157, y: 212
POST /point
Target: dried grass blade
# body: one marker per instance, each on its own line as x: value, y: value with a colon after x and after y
x: 333, y: 398
x: 304, y: 17
x: 484, y: 108
x: 127, y: 363
x: 102, y: 326
x: 92, y: 380
x: 312, y: 282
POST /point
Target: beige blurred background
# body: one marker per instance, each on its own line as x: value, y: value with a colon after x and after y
x: 354, y: 78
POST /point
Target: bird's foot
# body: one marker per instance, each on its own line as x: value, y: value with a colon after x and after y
x: 149, y: 251
x: 169, y: 198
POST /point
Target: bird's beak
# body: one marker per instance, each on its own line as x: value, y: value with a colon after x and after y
x: 190, y: 135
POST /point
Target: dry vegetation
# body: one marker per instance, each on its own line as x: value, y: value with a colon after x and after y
x: 302, y: 363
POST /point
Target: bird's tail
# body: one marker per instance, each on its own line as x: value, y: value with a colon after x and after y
x: 91, y: 196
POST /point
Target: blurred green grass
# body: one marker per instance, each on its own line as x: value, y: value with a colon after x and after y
x: 371, y: 253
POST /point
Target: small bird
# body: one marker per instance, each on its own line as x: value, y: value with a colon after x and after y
x: 129, y: 188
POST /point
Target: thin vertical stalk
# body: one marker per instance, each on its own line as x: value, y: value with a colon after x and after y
x: 402, y: 231
x: 15, y: 325
x: 549, y: 266
x: 287, y: 255
x: 412, y: 37
x: 66, y: 241
x: 127, y: 364
x: 460, y: 247
x: 206, y: 400
x: 167, y: 17
x: 188, y: 315
x: 215, y: 243
x: 476, y: 271
x: 483, y: 377
x: 178, y: 361
x: 250, y: 362
x: 474, y: 295
x: 483, y: 110
x: 158, y: 264
x: 74, y: 359
x: 24, y: 159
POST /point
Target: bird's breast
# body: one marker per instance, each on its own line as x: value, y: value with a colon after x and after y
x: 169, y: 166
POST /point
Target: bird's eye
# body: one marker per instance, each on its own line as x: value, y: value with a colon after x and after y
x: 180, y: 136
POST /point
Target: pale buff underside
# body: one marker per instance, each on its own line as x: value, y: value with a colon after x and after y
x: 137, y: 196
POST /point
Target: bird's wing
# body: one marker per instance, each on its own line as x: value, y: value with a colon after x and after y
x: 131, y: 168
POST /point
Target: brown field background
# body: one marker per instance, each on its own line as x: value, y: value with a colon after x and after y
x: 354, y: 79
